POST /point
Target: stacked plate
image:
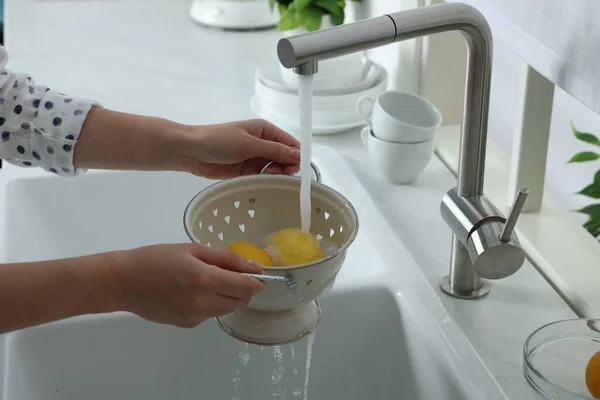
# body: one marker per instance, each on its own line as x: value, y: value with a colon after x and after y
x: 334, y: 99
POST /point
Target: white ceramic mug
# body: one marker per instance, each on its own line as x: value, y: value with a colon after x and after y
x: 400, y: 117
x: 400, y: 163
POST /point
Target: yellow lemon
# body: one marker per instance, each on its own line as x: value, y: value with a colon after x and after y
x: 592, y: 376
x: 251, y: 252
x: 292, y: 246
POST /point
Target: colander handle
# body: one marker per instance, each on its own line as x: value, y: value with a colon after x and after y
x: 312, y: 164
x: 291, y: 282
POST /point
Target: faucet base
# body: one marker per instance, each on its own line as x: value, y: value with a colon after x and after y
x: 483, y: 290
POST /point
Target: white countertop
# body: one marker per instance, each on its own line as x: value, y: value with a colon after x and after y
x: 148, y: 57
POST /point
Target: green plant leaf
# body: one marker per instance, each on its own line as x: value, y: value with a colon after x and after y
x: 301, y: 4
x: 332, y: 7
x: 282, y: 9
x: 287, y: 20
x: 591, y: 210
x: 586, y: 137
x: 310, y: 17
x: 337, y: 19
x: 593, y: 226
x: 584, y: 156
x: 591, y: 190
x: 597, y: 177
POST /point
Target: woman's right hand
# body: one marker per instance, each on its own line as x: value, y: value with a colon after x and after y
x: 184, y: 284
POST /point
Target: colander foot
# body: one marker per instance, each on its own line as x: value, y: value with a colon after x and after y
x: 271, y: 328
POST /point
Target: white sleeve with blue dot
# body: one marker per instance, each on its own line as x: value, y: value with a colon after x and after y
x: 38, y: 126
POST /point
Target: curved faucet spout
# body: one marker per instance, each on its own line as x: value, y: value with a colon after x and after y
x: 298, y: 51
x: 478, y: 248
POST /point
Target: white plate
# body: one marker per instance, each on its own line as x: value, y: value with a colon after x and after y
x: 263, y: 111
x: 269, y: 75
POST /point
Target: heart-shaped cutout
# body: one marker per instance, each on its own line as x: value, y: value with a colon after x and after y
x: 216, y: 212
x: 200, y: 224
x: 331, y: 232
x: 208, y: 244
x: 251, y: 213
x: 220, y: 236
x: 326, y: 215
x: 242, y: 228
x: 341, y: 228
x: 210, y: 228
x: 236, y: 204
x: 227, y: 219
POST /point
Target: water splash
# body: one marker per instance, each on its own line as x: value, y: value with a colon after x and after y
x: 278, y: 373
x: 295, y: 370
x: 311, y: 341
x: 245, y: 356
x: 305, y: 91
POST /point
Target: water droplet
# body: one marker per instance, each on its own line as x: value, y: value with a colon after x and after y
x: 297, y: 392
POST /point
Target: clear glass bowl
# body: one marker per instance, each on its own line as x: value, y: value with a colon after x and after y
x: 556, y: 355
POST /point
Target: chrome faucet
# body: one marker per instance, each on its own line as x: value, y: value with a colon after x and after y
x: 484, y: 244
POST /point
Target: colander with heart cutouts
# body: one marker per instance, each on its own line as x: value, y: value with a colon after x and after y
x: 249, y: 208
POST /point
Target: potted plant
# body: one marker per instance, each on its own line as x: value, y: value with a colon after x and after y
x: 592, y: 225
x: 309, y: 15
x: 301, y: 16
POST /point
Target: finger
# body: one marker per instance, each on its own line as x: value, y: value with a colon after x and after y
x: 226, y: 259
x: 278, y: 152
x: 269, y: 131
x: 291, y: 169
x: 234, y: 284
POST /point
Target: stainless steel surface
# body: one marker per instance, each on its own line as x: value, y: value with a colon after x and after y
x: 464, y: 214
x: 289, y: 281
x: 493, y: 258
x: 476, y: 224
x: 313, y: 165
x: 296, y: 50
x: 513, y: 215
x: 463, y: 283
x: 308, y: 68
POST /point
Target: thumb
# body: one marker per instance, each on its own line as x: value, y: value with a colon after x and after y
x: 278, y: 152
x: 227, y: 259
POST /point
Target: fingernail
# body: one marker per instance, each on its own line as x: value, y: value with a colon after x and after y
x: 256, y: 266
x: 295, y: 154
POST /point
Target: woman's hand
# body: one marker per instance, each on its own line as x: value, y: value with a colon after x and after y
x: 120, y: 141
x: 177, y: 284
x: 242, y: 148
x: 184, y: 284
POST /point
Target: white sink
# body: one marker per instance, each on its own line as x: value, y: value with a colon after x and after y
x: 384, y: 334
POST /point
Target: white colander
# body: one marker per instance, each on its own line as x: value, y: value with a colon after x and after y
x: 250, y: 208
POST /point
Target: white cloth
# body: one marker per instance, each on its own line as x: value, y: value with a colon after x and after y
x: 38, y: 126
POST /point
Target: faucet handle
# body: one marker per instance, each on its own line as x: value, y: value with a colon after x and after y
x: 513, y: 215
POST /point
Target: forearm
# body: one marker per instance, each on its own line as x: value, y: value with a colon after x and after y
x: 40, y: 292
x: 119, y: 141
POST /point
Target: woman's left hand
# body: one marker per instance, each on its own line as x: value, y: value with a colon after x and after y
x: 242, y: 148
x: 114, y: 140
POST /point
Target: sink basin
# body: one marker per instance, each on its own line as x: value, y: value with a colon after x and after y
x: 384, y: 334
x: 357, y: 354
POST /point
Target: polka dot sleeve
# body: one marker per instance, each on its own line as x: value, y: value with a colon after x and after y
x: 39, y: 126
